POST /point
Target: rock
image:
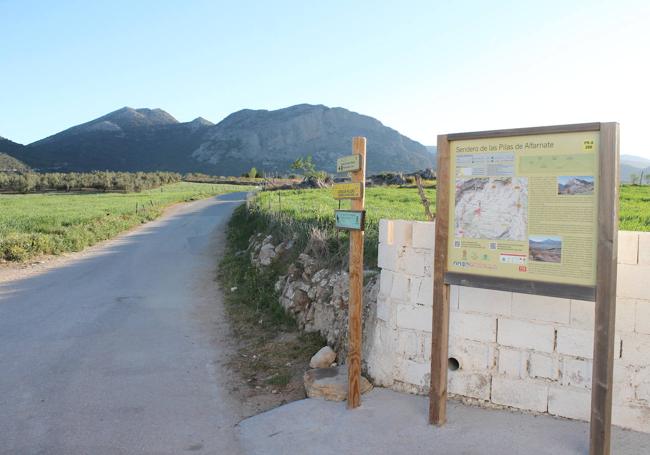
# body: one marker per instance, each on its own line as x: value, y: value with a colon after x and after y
x: 267, y: 253
x: 331, y: 383
x: 323, y: 358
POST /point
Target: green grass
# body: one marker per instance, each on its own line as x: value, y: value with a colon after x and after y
x: 634, y: 214
x: 301, y: 210
x: 36, y: 224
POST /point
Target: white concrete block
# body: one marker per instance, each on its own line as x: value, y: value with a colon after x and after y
x: 642, y: 381
x: 632, y: 417
x: 424, y: 234
x: 644, y: 249
x: 402, y: 233
x: 543, y: 366
x: 625, y: 314
x: 401, y: 288
x: 569, y: 402
x: 519, y: 393
x: 642, y: 317
x: 582, y: 314
x: 388, y: 257
x: 471, y: 355
x: 623, y: 388
x: 454, y: 292
x: 386, y: 232
x: 576, y: 372
x: 417, y: 373
x: 379, y: 356
x: 628, y: 247
x: 575, y: 342
x: 414, y: 317
x: 428, y: 265
x: 384, y: 308
x: 632, y: 281
x: 526, y: 335
x: 636, y: 349
x: 541, y: 308
x: 425, y: 294
x: 473, y: 385
x: 385, y: 282
x: 472, y: 326
x: 412, y: 262
x: 484, y: 301
x: 407, y: 344
x: 512, y: 362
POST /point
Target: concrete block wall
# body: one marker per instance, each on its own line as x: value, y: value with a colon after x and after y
x: 524, y: 351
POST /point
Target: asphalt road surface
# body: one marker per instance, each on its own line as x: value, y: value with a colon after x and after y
x: 119, y: 351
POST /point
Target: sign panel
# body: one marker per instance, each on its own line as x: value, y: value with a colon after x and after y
x: 525, y: 207
x: 347, y: 190
x: 350, y: 163
x: 353, y: 220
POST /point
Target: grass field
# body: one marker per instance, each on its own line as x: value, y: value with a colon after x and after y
x: 299, y: 209
x: 36, y: 224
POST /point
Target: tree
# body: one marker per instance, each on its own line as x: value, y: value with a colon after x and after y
x: 252, y: 173
x: 634, y: 178
x: 308, y: 168
x: 647, y: 179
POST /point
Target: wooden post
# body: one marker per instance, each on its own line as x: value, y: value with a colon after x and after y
x: 440, y: 322
x: 356, y: 284
x: 606, y: 267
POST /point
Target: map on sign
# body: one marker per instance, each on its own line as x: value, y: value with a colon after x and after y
x: 494, y: 208
x: 524, y: 207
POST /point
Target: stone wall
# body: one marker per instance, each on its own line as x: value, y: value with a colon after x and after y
x: 524, y: 351
x: 315, y: 295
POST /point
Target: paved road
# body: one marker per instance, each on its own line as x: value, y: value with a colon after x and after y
x: 119, y: 352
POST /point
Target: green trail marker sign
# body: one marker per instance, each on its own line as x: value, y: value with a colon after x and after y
x: 350, y: 163
x: 351, y: 220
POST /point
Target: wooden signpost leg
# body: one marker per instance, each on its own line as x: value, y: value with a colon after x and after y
x: 603, y: 369
x: 356, y: 285
x: 440, y: 322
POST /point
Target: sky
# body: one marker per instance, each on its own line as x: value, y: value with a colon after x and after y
x: 422, y: 67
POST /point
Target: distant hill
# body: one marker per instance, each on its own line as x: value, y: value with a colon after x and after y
x: 7, y: 161
x: 125, y: 140
x: 630, y: 165
x: 272, y: 140
x: 151, y: 139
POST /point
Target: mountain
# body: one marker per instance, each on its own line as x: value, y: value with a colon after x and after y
x: 576, y: 185
x: 633, y: 165
x: 7, y: 161
x: 433, y: 150
x: 151, y: 139
x: 272, y: 140
x: 126, y: 140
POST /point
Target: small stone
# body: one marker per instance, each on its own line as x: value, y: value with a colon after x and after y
x: 323, y: 358
x: 331, y: 383
x: 233, y: 289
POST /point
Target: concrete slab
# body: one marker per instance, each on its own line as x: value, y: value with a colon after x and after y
x: 393, y: 423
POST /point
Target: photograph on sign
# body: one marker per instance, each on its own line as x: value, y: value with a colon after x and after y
x: 347, y: 190
x: 350, y: 163
x: 353, y: 220
x: 525, y: 207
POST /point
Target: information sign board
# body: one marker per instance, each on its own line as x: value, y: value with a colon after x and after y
x: 347, y: 190
x: 525, y: 207
x: 352, y: 220
x: 350, y: 163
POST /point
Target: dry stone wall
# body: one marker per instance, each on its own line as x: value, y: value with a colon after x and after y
x: 523, y: 351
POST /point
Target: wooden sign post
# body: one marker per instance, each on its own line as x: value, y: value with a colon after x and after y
x: 503, y: 203
x: 353, y: 221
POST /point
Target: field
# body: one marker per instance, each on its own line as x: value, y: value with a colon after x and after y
x: 299, y: 210
x: 53, y: 223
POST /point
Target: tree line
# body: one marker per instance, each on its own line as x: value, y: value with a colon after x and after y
x: 26, y: 182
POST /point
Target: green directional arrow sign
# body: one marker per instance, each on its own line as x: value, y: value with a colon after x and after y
x: 352, y: 220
